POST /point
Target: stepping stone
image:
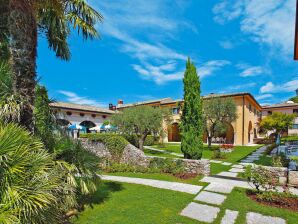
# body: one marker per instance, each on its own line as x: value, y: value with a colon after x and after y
x: 232, y: 183
x: 229, y: 217
x: 237, y: 166
x: 228, y: 174
x: 226, y: 163
x: 202, y: 213
x: 236, y: 170
x: 219, y: 188
x: 215, y: 161
x: 211, y: 198
x: 256, y: 218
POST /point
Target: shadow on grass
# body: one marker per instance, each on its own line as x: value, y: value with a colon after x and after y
x: 102, y: 194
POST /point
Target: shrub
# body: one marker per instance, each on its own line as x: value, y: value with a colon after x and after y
x: 289, y: 138
x: 167, y: 165
x: 85, y: 135
x: 280, y: 160
x: 119, y: 167
x: 115, y: 143
x: 261, y: 178
x: 216, y: 154
x: 227, y: 146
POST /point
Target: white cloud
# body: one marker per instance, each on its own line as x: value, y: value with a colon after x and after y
x: 264, y: 96
x: 210, y: 67
x: 168, y: 72
x: 74, y: 98
x: 290, y: 86
x: 240, y: 87
x: 249, y: 71
x: 269, y: 22
x: 226, y: 44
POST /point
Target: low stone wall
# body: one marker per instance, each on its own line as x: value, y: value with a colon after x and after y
x: 293, y: 178
x: 134, y: 156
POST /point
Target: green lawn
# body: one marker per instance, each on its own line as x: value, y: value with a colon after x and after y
x: 238, y: 153
x: 129, y: 203
x: 122, y: 203
x: 264, y: 160
x: 149, y: 152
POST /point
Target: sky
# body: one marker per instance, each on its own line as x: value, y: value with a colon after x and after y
x: 237, y: 46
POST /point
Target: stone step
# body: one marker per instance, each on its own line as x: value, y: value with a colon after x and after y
x: 229, y: 217
x: 210, y: 198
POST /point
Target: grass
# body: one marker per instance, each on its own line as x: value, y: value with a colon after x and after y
x: 216, y: 168
x: 238, y: 153
x: 264, y: 160
x: 129, y: 203
x: 149, y: 152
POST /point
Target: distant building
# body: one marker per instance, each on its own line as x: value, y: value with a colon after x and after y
x: 241, y: 132
x: 87, y: 116
x: 287, y: 108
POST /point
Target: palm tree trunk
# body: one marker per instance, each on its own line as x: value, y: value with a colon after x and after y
x: 23, y: 44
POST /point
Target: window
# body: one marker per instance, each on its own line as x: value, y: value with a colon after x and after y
x: 295, y: 111
x: 93, y: 115
x: 82, y: 114
x: 175, y: 110
x: 295, y: 126
x: 104, y: 116
x: 269, y: 112
x: 249, y: 107
x: 255, y: 111
x: 68, y: 113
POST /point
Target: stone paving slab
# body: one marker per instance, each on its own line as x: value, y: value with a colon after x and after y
x: 215, y: 161
x: 236, y: 170
x: 175, y: 186
x: 229, y: 217
x: 211, y: 198
x: 232, y: 183
x: 202, y: 213
x: 227, y: 174
x: 256, y: 218
x: 237, y: 166
x: 219, y: 188
x: 226, y: 163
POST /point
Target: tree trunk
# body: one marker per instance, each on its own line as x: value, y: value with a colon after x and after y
x: 23, y: 44
x: 209, y: 141
x: 141, y: 142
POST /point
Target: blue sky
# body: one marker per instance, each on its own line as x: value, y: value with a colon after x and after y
x: 237, y: 46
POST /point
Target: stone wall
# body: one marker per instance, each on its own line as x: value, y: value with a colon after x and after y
x: 293, y: 178
x: 134, y: 156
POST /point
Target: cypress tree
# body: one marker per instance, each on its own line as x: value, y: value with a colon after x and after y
x: 192, y: 116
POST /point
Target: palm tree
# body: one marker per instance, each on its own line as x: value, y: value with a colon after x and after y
x: 53, y: 18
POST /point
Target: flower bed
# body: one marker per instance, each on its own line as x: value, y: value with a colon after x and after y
x: 226, y: 148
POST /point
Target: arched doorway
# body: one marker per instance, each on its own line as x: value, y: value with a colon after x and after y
x: 249, y: 132
x: 87, y: 125
x: 63, y: 123
x: 174, y: 133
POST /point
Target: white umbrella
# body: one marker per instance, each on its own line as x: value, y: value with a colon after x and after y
x: 96, y: 128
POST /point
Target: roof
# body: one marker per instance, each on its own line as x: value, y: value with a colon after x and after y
x: 231, y: 95
x: 281, y: 105
x: 163, y: 100
x: 168, y: 100
x: 72, y: 106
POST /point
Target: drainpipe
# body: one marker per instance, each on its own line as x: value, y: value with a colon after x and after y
x: 243, y: 104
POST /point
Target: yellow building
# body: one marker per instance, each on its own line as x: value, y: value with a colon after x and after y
x: 241, y: 132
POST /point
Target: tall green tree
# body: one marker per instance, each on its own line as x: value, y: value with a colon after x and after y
x: 23, y: 20
x: 141, y: 121
x: 217, y: 114
x: 294, y: 99
x: 192, y: 117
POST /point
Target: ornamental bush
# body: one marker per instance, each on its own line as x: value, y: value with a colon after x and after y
x: 133, y: 139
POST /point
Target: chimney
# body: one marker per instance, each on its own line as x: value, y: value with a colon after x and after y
x: 120, y: 102
x: 110, y: 106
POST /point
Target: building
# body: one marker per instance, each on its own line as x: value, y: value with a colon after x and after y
x: 287, y: 108
x: 241, y: 132
x: 87, y: 116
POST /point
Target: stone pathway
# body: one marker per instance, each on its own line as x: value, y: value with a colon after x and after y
x: 256, y: 218
x: 229, y: 217
x: 175, y: 186
x: 255, y: 155
x: 210, y: 198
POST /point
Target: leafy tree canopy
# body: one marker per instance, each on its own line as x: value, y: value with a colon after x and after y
x: 218, y: 112
x: 140, y: 120
x: 278, y: 122
x: 294, y: 99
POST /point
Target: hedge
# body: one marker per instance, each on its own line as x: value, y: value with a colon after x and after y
x: 115, y: 143
x: 289, y: 138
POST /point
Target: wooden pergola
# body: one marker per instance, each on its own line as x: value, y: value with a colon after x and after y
x: 296, y: 35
